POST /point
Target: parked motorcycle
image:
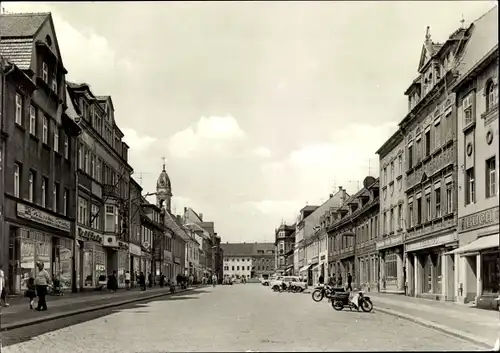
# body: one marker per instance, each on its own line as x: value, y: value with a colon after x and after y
x: 341, y: 301
x: 325, y: 292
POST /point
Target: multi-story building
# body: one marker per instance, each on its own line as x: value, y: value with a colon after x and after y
x: 392, y: 216
x: 248, y: 260
x: 315, y: 239
x: 430, y: 130
x: 219, y: 258
x: 301, y: 226
x: 153, y: 240
x: 135, y: 230
x: 352, y: 233
x: 103, y: 188
x: 192, y: 254
x: 284, y: 241
x: 38, y: 163
x: 477, y: 260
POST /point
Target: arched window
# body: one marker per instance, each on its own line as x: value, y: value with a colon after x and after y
x: 491, y: 95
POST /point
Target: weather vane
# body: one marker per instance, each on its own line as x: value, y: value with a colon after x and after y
x: 163, y: 159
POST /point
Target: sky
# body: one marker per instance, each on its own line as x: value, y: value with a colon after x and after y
x: 259, y: 107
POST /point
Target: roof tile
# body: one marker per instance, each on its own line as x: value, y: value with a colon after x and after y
x: 18, y: 51
x: 21, y: 24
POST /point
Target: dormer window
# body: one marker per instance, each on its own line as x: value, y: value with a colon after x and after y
x: 45, y: 73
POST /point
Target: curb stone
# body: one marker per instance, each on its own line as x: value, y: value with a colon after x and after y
x: 438, y: 327
x: 30, y: 322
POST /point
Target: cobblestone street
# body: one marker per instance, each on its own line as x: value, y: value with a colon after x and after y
x: 235, y: 318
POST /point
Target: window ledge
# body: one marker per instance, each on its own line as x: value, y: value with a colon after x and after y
x: 45, y: 146
x: 20, y: 127
x: 391, y: 183
x: 469, y: 127
x: 34, y: 137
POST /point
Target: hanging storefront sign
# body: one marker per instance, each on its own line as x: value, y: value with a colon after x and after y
x: 41, y: 217
x: 135, y: 249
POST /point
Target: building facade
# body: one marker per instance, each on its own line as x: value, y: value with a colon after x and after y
x: 192, y: 254
x: 135, y: 230
x: 303, y: 226
x: 154, y: 240
x: 352, y: 234
x: 248, y: 260
x: 37, y: 161
x: 284, y: 241
x: 430, y: 130
x: 477, y: 259
x: 315, y: 241
x: 103, y: 189
x: 392, y: 225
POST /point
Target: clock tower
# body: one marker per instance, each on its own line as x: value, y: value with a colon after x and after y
x: 163, y: 190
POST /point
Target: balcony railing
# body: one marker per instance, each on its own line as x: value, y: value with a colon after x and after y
x: 110, y: 191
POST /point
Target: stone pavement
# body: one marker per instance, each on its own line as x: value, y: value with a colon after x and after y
x: 18, y: 311
x: 475, y: 325
x: 237, y: 318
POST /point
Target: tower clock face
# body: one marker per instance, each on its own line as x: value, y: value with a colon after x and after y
x: 162, y: 182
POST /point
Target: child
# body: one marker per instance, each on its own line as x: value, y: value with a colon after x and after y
x: 30, y: 292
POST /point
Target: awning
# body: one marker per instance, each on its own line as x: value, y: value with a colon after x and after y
x: 482, y: 243
x: 316, y: 268
x: 305, y: 268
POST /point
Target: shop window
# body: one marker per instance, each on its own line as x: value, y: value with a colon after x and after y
x: 491, y: 189
x: 491, y: 272
x: 470, y: 187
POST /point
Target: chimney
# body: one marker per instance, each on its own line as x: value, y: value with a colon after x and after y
x: 185, y: 209
x: 331, y: 195
x: 340, y: 188
x: 201, y: 216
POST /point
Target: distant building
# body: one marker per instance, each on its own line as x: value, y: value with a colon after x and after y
x: 249, y: 260
x: 284, y: 245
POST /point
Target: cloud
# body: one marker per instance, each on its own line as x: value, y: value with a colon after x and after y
x: 137, y: 143
x: 209, y: 134
x: 262, y: 151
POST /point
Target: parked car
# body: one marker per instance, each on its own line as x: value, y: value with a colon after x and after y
x: 266, y: 282
x: 276, y: 281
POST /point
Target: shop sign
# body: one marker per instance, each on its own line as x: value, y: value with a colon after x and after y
x: 177, y: 260
x: 430, y: 242
x: 389, y: 242
x: 41, y: 217
x: 135, y: 249
x: 87, y: 234
x: 478, y: 220
x: 122, y: 245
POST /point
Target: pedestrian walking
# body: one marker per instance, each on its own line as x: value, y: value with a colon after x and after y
x: 150, y: 279
x: 127, y: 280
x: 3, y: 289
x: 142, y: 281
x: 42, y: 280
x: 214, y: 280
x: 31, y: 291
x: 349, y: 282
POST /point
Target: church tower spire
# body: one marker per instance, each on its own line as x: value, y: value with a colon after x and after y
x: 164, y: 189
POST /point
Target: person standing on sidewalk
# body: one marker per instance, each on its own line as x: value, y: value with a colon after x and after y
x: 31, y: 291
x: 42, y: 280
x: 127, y: 280
x: 142, y: 281
x: 349, y: 281
x: 3, y: 289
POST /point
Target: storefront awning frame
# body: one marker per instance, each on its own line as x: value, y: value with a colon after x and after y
x: 305, y: 268
x: 481, y: 243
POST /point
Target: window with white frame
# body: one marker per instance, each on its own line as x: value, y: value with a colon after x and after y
x: 56, y: 138
x: 83, y: 211
x: 92, y: 166
x: 98, y: 170
x: 44, y: 192
x: 17, y: 180
x: 491, y: 188
x: 400, y: 164
x: 117, y: 219
x: 469, y: 186
x: 392, y: 170
x: 66, y: 147
x: 32, y: 120
x: 31, y: 181
x: 467, y: 109
x: 65, y: 202
x: 109, y: 220
x: 491, y: 95
x: 437, y: 200
x: 80, y: 156
x: 428, y: 206
x: 55, y: 197
x: 19, y: 109
x: 410, y: 214
x: 400, y: 216
x: 45, y: 130
x: 385, y: 176
x: 437, y: 134
x: 54, y: 83
x: 87, y: 161
x: 45, y: 73
x: 449, y: 198
x: 96, y: 220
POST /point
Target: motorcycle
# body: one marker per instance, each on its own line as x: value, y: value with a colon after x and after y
x: 325, y: 292
x: 342, y: 300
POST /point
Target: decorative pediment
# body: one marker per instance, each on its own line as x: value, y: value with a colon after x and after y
x: 424, y: 178
x: 424, y: 57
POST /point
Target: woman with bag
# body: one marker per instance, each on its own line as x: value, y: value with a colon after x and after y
x: 30, y: 292
x: 42, y: 281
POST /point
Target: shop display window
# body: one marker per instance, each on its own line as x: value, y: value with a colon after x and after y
x: 99, y: 266
x: 491, y: 272
x: 62, y: 262
x: 88, y: 266
x: 34, y: 247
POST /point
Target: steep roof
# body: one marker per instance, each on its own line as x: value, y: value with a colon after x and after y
x: 17, y: 31
x: 245, y: 249
x: 483, y: 39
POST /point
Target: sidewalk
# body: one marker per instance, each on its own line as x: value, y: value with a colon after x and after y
x: 474, y: 325
x: 18, y: 313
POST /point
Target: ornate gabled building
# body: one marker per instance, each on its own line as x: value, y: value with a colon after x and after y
x: 37, y: 212
x: 352, y: 234
x: 284, y: 245
x: 430, y: 130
